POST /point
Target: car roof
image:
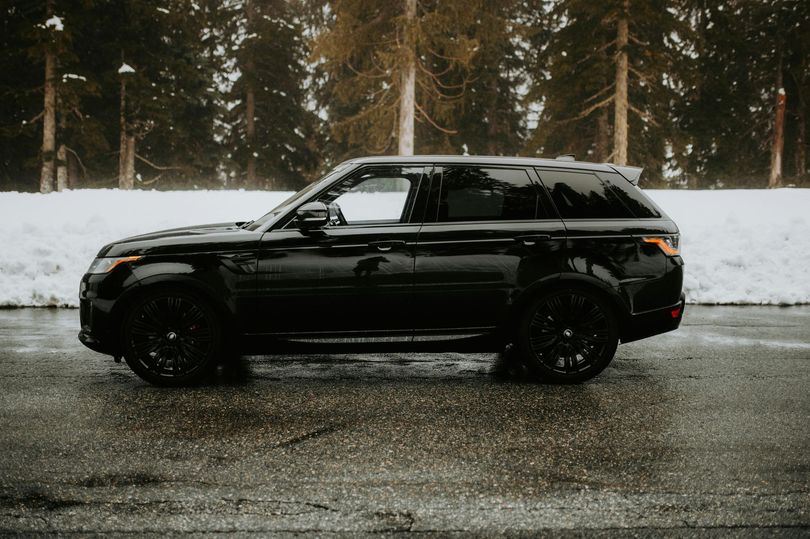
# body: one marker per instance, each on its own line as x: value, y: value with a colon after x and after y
x: 481, y: 160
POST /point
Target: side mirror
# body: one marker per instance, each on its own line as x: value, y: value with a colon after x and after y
x: 312, y: 215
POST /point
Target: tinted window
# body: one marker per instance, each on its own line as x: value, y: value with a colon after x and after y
x: 582, y: 195
x: 631, y: 196
x: 485, y: 194
x: 375, y: 195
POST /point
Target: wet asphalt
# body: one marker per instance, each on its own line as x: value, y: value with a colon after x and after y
x: 707, y: 427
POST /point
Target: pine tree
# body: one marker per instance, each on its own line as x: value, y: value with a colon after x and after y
x: 746, y: 51
x: 21, y: 75
x: 489, y: 119
x: 154, y: 119
x: 271, y: 132
x: 633, y: 61
x: 366, y: 54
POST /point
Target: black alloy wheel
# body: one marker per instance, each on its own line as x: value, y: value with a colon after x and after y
x: 569, y: 335
x: 171, y: 338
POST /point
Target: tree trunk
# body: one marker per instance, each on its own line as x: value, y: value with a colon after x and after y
x: 250, y: 105
x: 250, y: 113
x: 61, y: 169
x: 801, y: 118
x: 620, y: 104
x: 778, y: 143
x: 407, y: 98
x: 129, y: 166
x: 124, y: 181
x: 48, y: 119
x: 602, y: 142
x: 72, y: 171
x: 61, y: 157
x: 775, y: 179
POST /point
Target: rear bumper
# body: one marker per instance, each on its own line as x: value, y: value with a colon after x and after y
x: 640, y: 326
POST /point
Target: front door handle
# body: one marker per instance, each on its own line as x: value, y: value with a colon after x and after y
x: 531, y: 239
x: 386, y: 245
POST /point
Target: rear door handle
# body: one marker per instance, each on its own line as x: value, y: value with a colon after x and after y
x: 386, y: 245
x: 531, y: 239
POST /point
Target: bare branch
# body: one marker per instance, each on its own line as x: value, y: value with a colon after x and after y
x: 381, y: 104
x: 154, y: 166
x: 434, y: 90
x: 600, y: 92
x: 637, y: 41
x: 437, y: 82
x: 35, y: 118
x: 597, y: 51
x: 458, y: 59
x: 79, y: 159
x: 364, y: 75
x: 605, y: 102
x: 150, y: 182
x: 644, y: 115
x: 433, y: 123
x: 643, y: 76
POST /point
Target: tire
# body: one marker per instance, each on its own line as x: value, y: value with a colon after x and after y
x: 171, y: 338
x: 568, y: 336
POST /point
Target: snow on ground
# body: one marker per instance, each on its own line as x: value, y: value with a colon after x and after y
x: 743, y: 246
x: 749, y: 246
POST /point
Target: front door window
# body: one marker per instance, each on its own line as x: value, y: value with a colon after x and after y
x: 374, y: 196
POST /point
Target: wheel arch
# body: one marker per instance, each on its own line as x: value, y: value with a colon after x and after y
x: 563, y: 281
x: 176, y: 283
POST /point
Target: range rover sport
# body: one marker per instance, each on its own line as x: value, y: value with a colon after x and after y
x: 552, y: 261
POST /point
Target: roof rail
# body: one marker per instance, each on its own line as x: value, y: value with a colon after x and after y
x: 566, y: 157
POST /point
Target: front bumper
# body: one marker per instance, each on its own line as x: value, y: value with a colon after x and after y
x: 98, y: 294
x: 655, y: 322
x: 93, y: 343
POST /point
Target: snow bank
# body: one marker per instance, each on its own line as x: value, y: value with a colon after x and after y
x: 49, y: 240
x: 740, y: 246
x: 743, y: 246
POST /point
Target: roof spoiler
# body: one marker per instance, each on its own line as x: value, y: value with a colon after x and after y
x: 631, y: 174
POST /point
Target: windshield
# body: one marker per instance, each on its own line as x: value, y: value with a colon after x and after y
x: 278, y: 210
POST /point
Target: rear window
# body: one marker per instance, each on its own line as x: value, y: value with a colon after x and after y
x: 582, y: 195
x: 631, y: 196
x: 486, y: 194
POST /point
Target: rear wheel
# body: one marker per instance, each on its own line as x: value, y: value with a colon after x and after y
x: 171, y: 338
x: 568, y: 336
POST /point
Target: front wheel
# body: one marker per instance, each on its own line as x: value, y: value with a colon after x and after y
x: 171, y: 338
x: 568, y: 336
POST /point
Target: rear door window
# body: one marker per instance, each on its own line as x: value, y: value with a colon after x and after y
x: 582, y: 195
x: 470, y: 193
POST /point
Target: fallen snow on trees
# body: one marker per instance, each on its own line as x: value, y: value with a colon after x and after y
x: 749, y: 246
x: 55, y: 23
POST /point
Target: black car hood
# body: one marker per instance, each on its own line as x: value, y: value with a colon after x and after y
x: 191, y: 239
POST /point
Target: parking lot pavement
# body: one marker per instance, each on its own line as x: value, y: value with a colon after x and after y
x: 706, y: 427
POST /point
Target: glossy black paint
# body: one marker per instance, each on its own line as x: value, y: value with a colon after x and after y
x: 419, y: 284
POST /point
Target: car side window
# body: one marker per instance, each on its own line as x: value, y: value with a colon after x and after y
x: 378, y: 195
x: 470, y: 193
x: 582, y: 195
x: 631, y: 196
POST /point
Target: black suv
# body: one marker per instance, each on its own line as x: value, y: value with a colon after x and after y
x: 551, y: 261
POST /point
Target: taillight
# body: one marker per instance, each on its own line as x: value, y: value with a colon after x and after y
x: 670, y: 245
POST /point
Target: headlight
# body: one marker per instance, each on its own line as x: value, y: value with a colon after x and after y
x: 106, y: 265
